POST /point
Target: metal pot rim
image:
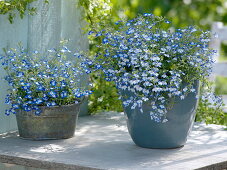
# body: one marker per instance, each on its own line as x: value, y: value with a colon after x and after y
x: 60, y: 106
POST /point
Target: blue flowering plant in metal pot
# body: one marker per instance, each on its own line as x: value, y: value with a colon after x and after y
x: 157, y: 70
x: 45, y: 91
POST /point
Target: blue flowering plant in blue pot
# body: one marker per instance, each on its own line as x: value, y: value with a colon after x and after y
x: 46, y: 91
x: 157, y: 70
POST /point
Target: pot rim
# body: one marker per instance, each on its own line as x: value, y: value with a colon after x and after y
x: 61, y: 106
x: 50, y: 108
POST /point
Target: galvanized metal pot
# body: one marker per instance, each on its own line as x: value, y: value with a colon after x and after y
x: 58, y: 122
x: 172, y: 134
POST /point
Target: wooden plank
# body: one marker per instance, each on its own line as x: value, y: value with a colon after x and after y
x: 10, y: 36
x: 45, y: 27
x: 72, y: 29
x: 72, y: 25
x: 222, y: 33
x: 215, y: 42
x: 224, y: 97
x: 220, y: 69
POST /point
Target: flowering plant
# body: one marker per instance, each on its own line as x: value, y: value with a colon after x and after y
x: 43, y: 80
x: 153, y: 61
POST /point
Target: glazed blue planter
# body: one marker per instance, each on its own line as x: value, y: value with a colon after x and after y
x: 172, y: 134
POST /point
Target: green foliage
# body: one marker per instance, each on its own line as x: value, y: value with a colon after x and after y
x: 223, y: 51
x: 97, y: 13
x: 209, y: 111
x: 104, y: 97
x: 219, y: 117
x: 209, y: 114
x: 11, y: 7
x: 182, y: 13
x: 221, y: 85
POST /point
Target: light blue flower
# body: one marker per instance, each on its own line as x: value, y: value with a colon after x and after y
x: 64, y: 94
x: 53, y: 94
x: 53, y: 83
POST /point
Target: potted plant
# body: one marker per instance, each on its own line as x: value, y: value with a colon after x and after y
x: 157, y: 71
x: 45, y: 91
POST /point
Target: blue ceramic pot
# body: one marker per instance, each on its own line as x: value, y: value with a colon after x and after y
x: 172, y: 134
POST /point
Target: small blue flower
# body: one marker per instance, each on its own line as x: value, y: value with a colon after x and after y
x: 45, y: 98
x: 27, y: 109
x: 12, y: 111
x: 28, y: 96
x: 53, y: 83
x: 90, y: 32
x: 63, y: 83
x: 105, y: 41
x: 49, y: 104
x: 41, y: 88
x: 7, y: 112
x: 98, y: 34
x: 38, y: 101
x: 20, y: 74
x: 7, y: 99
x: 64, y: 94
x: 147, y: 14
x: 53, y: 94
x: 15, y: 106
x: 167, y: 21
x: 78, y: 95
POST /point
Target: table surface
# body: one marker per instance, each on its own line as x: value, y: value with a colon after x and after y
x: 103, y: 142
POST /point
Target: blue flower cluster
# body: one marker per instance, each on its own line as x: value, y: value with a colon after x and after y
x: 149, y: 59
x: 43, y: 79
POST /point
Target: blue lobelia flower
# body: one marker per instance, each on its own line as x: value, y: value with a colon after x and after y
x: 64, y: 94
x: 53, y: 94
x: 53, y: 83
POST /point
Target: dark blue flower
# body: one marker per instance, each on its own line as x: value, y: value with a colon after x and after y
x: 105, y: 41
x: 28, y: 96
x: 7, y: 112
x: 7, y: 99
x: 63, y: 83
x: 64, y: 94
x: 20, y: 74
x: 90, y: 32
x: 38, y: 101
x: 27, y: 108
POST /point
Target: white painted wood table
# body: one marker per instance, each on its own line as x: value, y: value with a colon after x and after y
x: 102, y: 142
